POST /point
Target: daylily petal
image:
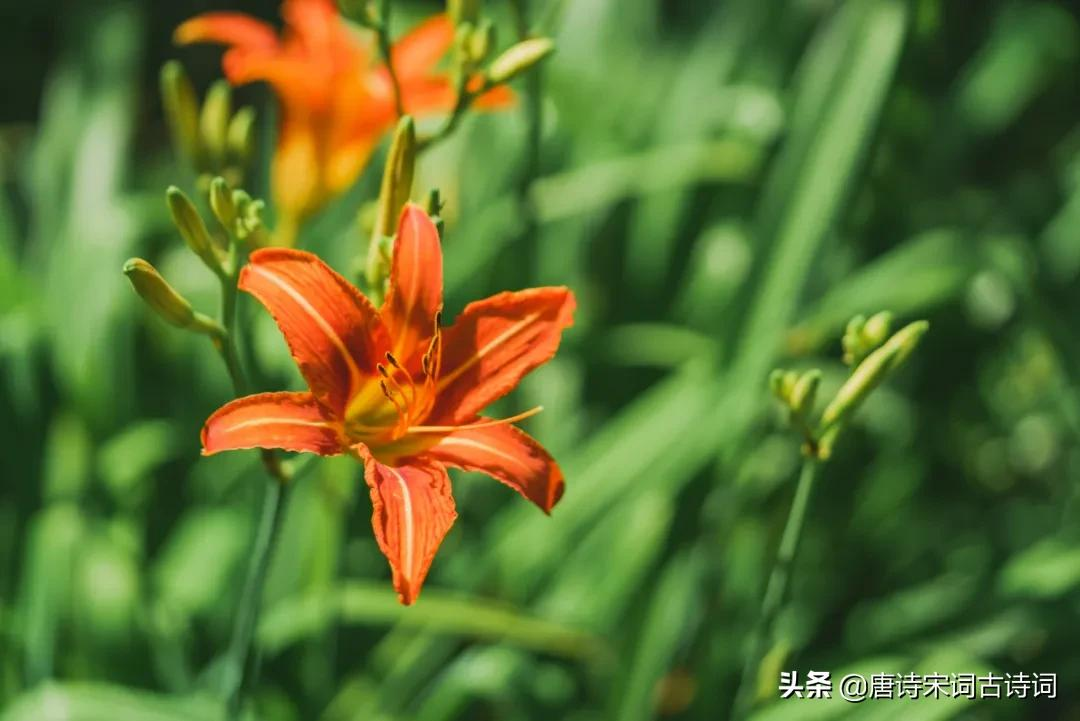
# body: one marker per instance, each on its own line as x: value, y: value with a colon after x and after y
x: 415, y: 54
x: 314, y: 24
x: 333, y: 332
x: 436, y: 94
x: 416, y: 278
x: 343, y: 166
x: 234, y: 29
x: 291, y: 78
x: 507, y: 454
x: 498, y: 98
x: 291, y: 421
x: 494, y: 343
x: 413, y: 509
x: 296, y: 166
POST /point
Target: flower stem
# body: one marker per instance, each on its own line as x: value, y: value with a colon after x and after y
x: 463, y: 100
x: 225, y: 342
x: 533, y: 136
x: 775, y: 589
x: 236, y: 660
x: 382, y: 31
x: 238, y: 673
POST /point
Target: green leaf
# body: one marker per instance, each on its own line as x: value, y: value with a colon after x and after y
x: 360, y: 603
x: 672, y: 613
x: 102, y: 702
x: 1048, y: 569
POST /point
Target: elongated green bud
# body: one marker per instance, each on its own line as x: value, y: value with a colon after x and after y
x: 241, y: 135
x: 187, y: 220
x: 158, y: 294
x: 221, y: 202
x: 876, y: 328
x: 396, y: 186
x: 864, y: 335
x: 214, y: 123
x: 463, y: 11
x: 852, y: 341
x: 462, y: 55
x: 776, y: 384
x: 804, y: 391
x: 871, y: 372
x: 181, y: 111
x: 518, y: 58
x: 479, y: 42
x: 164, y: 300
x: 250, y: 227
x: 397, y: 176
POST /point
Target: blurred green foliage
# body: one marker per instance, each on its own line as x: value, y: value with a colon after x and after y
x: 724, y: 184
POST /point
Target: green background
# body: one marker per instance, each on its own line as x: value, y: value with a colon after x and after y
x: 723, y: 184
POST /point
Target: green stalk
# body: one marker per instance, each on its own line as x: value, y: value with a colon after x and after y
x: 775, y: 589
x: 463, y: 100
x: 225, y: 343
x: 238, y: 673
x: 534, y: 134
x: 236, y: 668
x: 382, y: 31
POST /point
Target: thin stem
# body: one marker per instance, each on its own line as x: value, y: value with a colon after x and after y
x: 775, y: 589
x: 461, y: 105
x: 251, y: 600
x: 226, y: 343
x: 238, y: 672
x: 533, y: 109
x: 382, y: 31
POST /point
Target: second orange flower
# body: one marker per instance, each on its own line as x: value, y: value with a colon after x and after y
x: 337, y: 100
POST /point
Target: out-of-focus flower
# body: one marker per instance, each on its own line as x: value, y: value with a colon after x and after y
x: 393, y: 389
x: 337, y: 101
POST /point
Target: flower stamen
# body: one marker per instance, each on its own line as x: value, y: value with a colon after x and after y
x: 482, y: 424
x: 402, y: 412
x: 411, y: 399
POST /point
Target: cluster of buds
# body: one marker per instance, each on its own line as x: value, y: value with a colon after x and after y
x: 474, y: 39
x: 239, y: 223
x: 863, y: 335
x: 240, y: 215
x: 871, y: 353
x: 211, y: 138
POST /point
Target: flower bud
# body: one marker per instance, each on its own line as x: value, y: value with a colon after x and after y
x: 876, y: 329
x: 864, y: 335
x: 480, y: 41
x: 241, y: 136
x: 221, y: 202
x: 518, y: 58
x: 462, y: 58
x: 463, y: 11
x: 181, y: 111
x: 804, y: 391
x: 852, y: 340
x: 251, y: 226
x: 394, y: 193
x: 158, y: 294
x: 776, y: 384
x: 187, y: 220
x: 214, y: 123
x: 871, y: 372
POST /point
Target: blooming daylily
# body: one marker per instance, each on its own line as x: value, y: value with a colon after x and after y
x: 396, y: 391
x: 336, y: 101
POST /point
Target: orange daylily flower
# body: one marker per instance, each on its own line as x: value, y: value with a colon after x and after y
x: 336, y: 101
x: 398, y: 392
